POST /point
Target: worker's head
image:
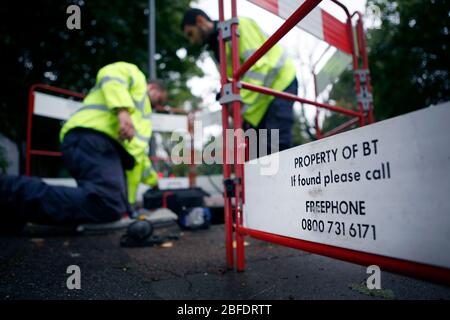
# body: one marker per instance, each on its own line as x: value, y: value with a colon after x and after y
x: 197, y: 26
x: 156, y: 92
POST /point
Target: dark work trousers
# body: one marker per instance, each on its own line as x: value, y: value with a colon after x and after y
x: 279, y: 115
x: 101, y: 196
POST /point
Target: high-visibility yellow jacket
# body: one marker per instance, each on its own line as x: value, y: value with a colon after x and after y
x: 275, y: 70
x: 142, y: 172
x: 119, y: 85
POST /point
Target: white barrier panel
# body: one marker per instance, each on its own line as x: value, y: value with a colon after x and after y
x: 163, y: 183
x: 213, y: 184
x: 382, y: 189
x: 169, y: 122
x: 318, y: 22
x: 204, y: 182
x: 208, y: 119
x: 54, y: 107
x: 332, y: 70
x: 66, y: 182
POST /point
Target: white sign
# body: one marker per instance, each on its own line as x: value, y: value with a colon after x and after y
x: 169, y: 122
x: 54, y: 107
x: 381, y: 189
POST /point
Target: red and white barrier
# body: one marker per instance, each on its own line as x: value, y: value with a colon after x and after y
x: 318, y: 22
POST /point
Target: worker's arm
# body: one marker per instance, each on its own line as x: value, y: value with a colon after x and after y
x: 126, y: 128
x: 115, y: 81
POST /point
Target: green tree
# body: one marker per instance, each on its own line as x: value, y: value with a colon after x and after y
x: 408, y: 55
x: 302, y: 132
x: 342, y: 94
x: 36, y: 46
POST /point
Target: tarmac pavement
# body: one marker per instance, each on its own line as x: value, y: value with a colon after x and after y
x: 34, y: 267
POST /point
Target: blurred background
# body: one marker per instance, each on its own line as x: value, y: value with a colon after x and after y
x: 407, y: 43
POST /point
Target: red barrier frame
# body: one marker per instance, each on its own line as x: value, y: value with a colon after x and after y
x: 233, y: 212
x: 29, y: 152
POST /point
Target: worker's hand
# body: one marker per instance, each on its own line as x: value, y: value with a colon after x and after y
x: 126, y: 128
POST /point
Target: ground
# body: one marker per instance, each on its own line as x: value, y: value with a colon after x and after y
x: 34, y: 266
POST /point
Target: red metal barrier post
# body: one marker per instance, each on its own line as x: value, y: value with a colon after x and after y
x: 231, y: 87
x: 225, y: 154
x: 31, y: 99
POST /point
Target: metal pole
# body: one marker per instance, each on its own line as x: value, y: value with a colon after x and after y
x: 293, y: 97
x: 316, y: 120
x: 151, y: 40
x: 29, y: 124
x: 239, y: 146
x: 226, y: 161
x: 365, y: 59
x: 191, y: 174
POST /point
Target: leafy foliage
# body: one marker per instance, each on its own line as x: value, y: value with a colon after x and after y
x: 408, y: 57
x: 36, y: 46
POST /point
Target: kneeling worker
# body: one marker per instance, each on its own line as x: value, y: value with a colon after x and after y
x: 108, y: 135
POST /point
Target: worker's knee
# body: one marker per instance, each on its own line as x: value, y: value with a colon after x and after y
x: 105, y: 209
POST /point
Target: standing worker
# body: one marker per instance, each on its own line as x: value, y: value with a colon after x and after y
x: 274, y: 70
x: 108, y: 135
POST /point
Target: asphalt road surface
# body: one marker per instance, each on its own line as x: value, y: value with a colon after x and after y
x: 34, y: 266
